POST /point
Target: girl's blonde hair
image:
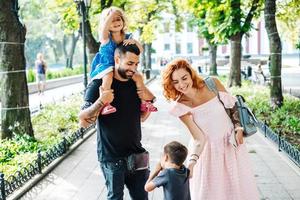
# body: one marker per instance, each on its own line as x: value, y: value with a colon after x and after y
x: 169, y: 90
x: 40, y: 56
x: 105, y: 13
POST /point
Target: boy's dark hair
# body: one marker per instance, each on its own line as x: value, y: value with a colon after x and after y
x: 121, y: 49
x: 176, y: 151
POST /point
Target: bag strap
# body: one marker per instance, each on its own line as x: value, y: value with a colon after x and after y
x: 210, y: 83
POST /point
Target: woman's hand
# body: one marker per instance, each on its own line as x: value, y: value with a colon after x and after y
x: 239, y: 136
x: 191, y: 168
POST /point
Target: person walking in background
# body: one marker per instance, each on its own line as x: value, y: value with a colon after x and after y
x: 260, y: 71
x: 122, y: 158
x: 221, y: 171
x: 41, y: 68
x: 171, y: 173
x: 112, y: 32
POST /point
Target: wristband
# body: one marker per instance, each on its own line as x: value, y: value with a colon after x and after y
x: 100, y: 103
x: 239, y: 128
x: 192, y: 159
x: 195, y: 155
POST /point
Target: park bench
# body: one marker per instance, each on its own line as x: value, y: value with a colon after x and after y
x: 260, y: 78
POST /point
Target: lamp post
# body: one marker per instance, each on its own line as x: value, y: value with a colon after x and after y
x: 83, y: 6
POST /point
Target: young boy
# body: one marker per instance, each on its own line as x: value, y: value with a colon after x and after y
x: 171, y: 173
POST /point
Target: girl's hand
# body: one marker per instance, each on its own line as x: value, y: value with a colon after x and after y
x: 129, y: 42
x: 113, y: 13
x: 239, y: 137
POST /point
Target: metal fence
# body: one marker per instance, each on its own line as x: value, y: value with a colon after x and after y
x: 282, y: 144
x: 18, y: 179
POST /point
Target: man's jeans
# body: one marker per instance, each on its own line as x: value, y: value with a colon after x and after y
x: 116, y: 175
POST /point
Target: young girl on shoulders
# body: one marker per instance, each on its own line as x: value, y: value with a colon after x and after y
x: 112, y: 33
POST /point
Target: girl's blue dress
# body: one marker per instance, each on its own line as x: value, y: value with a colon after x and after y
x: 103, y: 61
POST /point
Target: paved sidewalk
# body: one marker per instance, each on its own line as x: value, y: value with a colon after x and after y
x: 78, y: 177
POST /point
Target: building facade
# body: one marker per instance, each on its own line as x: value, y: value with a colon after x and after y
x: 186, y: 43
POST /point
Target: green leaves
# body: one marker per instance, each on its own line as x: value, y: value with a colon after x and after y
x: 144, y: 16
x: 220, y: 20
x: 288, y: 15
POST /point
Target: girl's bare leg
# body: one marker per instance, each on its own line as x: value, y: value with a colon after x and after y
x: 145, y: 94
x: 107, y: 81
x: 106, y: 85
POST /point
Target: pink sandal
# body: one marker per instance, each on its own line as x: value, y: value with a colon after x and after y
x: 108, y: 109
x: 148, y: 107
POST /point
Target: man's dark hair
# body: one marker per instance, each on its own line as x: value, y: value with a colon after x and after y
x: 121, y: 49
x: 176, y: 151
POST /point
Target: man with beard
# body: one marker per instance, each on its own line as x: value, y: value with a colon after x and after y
x: 122, y: 158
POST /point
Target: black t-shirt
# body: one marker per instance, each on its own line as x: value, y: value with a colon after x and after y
x: 119, y: 133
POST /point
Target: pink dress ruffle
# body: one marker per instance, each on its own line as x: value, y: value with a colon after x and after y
x: 222, y: 172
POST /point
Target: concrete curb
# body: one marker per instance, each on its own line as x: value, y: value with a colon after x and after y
x: 32, y: 182
x: 54, y: 83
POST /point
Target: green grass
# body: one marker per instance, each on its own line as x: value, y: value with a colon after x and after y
x: 53, y: 123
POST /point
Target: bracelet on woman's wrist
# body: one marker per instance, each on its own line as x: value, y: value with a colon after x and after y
x: 239, y: 128
x: 195, y: 155
x: 192, y: 160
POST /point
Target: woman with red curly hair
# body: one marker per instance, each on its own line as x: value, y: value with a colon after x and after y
x: 219, y: 170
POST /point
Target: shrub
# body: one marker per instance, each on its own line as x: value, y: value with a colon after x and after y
x: 286, y: 118
x: 50, y: 125
x: 31, y: 76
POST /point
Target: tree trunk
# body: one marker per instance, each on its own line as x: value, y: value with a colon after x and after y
x: 92, y: 44
x: 235, y: 60
x: 15, y: 113
x: 72, y: 49
x: 148, y: 55
x: 275, y: 53
x: 56, y: 57
x: 56, y: 46
x: 212, y: 59
x: 142, y: 56
x: 64, y: 45
x: 69, y: 55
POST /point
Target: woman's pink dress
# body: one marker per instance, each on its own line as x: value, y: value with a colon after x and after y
x: 222, y: 172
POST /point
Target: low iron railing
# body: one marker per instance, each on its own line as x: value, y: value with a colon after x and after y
x: 283, y: 145
x: 18, y: 179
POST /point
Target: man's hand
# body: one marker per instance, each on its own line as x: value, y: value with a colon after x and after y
x: 89, y: 115
x: 138, y: 78
x: 129, y: 42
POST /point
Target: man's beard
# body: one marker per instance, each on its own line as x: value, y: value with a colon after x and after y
x: 122, y: 73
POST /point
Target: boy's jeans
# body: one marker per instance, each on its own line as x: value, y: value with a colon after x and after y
x: 116, y: 175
